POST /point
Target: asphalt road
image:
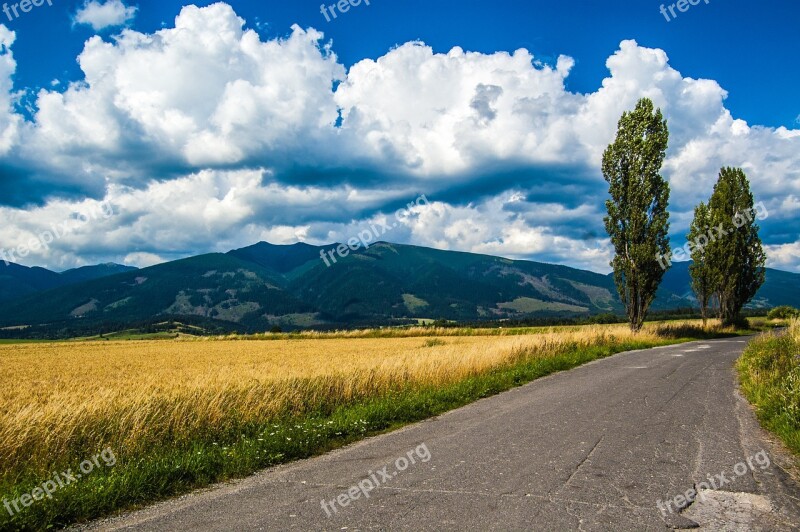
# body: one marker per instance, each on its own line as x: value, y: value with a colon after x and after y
x: 595, y: 448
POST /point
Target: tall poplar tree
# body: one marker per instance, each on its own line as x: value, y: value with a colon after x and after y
x: 735, y: 252
x: 703, y: 275
x: 638, y: 221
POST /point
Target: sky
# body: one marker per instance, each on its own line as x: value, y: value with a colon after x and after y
x: 140, y: 132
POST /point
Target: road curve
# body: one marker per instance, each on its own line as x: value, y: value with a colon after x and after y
x: 607, y: 446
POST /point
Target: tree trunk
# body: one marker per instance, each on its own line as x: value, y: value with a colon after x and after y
x: 704, y: 310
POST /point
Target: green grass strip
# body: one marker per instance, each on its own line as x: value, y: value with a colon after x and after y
x: 769, y: 372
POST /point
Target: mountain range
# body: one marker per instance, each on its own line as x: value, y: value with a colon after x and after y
x: 18, y: 281
x: 265, y: 286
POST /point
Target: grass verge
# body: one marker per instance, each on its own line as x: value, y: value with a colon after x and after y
x: 165, y: 470
x: 769, y: 372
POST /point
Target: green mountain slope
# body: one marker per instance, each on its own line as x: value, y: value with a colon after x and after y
x: 18, y: 281
x: 215, y: 286
x: 393, y: 281
x: 88, y: 273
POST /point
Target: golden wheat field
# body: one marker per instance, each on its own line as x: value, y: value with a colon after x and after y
x: 59, y: 398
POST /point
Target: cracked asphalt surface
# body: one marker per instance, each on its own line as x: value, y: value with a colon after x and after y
x: 594, y: 448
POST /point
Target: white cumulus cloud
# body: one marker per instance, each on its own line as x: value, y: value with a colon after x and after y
x: 102, y: 15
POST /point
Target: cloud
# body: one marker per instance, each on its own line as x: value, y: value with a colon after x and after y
x: 784, y: 256
x: 233, y: 209
x: 497, y: 227
x: 206, y: 133
x: 9, y: 120
x: 142, y: 260
x: 102, y: 15
x: 204, y: 94
x: 469, y: 110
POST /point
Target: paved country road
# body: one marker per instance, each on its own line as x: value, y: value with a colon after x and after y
x: 595, y: 448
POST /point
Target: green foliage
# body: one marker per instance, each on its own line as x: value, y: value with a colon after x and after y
x: 605, y: 318
x: 638, y: 221
x: 737, y: 257
x: 784, y: 312
x: 701, y: 271
x: 769, y: 371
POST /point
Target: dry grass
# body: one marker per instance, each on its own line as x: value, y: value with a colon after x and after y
x: 59, y: 401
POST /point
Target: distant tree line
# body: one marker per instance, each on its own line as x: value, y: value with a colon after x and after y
x: 783, y: 313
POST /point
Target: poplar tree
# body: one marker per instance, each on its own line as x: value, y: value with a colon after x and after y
x: 702, y: 273
x: 638, y: 221
x: 735, y: 254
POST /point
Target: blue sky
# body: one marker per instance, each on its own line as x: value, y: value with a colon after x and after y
x: 201, y: 144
